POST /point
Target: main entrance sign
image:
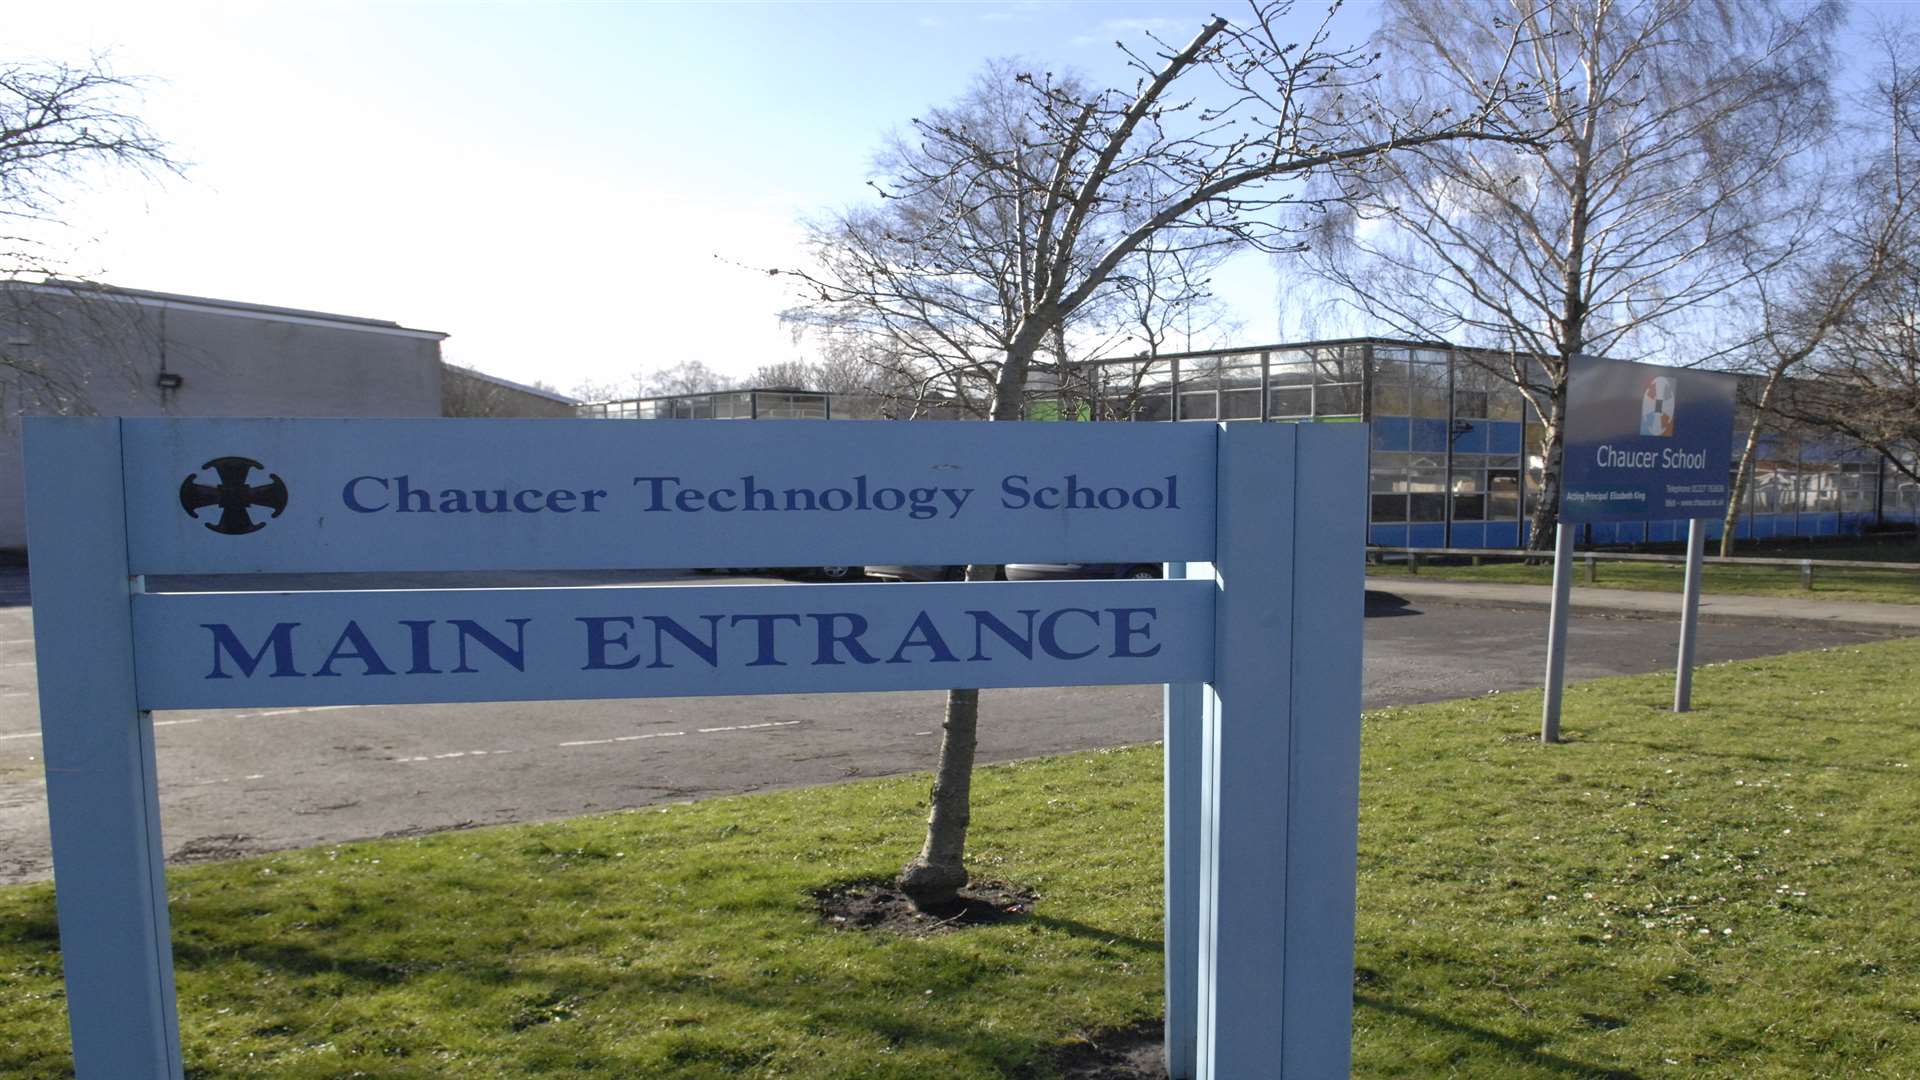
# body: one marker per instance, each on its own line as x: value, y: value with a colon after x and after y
x: 1256, y: 634
x: 1645, y: 441
x: 1641, y: 442
x: 563, y: 494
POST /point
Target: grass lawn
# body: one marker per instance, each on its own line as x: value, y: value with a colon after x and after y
x: 1883, y: 586
x: 1734, y: 893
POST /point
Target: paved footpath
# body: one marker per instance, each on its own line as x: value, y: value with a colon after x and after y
x: 245, y: 781
x: 1892, y: 618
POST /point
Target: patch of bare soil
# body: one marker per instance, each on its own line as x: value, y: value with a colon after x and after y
x: 218, y: 846
x: 1135, y: 1052
x: 878, y: 905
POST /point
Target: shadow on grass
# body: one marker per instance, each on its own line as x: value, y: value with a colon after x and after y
x: 1520, y: 1048
x: 879, y: 1013
x: 1807, y: 760
x: 1094, y: 933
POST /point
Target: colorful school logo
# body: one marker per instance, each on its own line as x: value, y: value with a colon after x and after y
x: 1656, y: 407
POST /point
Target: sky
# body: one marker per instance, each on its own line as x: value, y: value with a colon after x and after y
x: 573, y: 192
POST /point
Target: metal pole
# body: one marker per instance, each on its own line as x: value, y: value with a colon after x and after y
x: 1557, y: 632
x: 1689, y: 616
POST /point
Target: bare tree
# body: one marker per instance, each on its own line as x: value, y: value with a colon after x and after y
x: 60, y: 124
x: 686, y: 377
x: 468, y: 392
x: 785, y: 374
x: 1673, y: 125
x: 1851, y: 247
x: 1867, y: 384
x: 1008, y: 216
x: 1168, y: 295
x: 609, y: 389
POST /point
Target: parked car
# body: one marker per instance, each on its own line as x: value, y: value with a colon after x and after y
x: 1050, y: 571
x: 921, y: 573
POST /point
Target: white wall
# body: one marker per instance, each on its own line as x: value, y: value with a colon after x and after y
x: 238, y: 363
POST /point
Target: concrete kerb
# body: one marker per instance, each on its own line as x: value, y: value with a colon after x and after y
x: 1895, y: 618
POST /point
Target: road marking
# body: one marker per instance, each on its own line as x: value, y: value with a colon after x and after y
x: 200, y: 719
x: 571, y: 743
x: 624, y: 738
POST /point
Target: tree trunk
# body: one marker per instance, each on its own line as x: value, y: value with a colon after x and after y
x: 933, y: 879
x: 1744, y: 471
x: 1546, y: 512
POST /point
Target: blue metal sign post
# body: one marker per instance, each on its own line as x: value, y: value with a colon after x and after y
x: 1257, y: 637
x: 1642, y: 442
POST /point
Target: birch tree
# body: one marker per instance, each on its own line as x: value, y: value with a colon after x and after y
x: 1846, y: 259
x: 1006, y: 217
x: 1672, y: 128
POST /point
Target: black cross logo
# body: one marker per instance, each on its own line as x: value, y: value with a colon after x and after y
x: 233, y: 495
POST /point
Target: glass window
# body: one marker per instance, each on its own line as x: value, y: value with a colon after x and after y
x: 1387, y: 482
x: 1430, y: 391
x: 1337, y: 399
x: 1240, y: 404
x: 1197, y: 406
x: 1769, y: 485
x: 1389, y: 369
x: 1289, y: 372
x: 1199, y: 383
x: 1340, y: 364
x: 1470, y: 404
x: 1389, y: 508
x: 1469, y: 508
x: 1154, y: 403
x: 1391, y: 400
x: 1427, y: 507
x: 1292, y: 400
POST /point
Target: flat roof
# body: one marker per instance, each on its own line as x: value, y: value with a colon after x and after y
x: 215, y: 305
x: 511, y: 385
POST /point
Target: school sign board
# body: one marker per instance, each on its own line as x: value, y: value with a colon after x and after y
x: 1644, y: 441
x: 1256, y: 634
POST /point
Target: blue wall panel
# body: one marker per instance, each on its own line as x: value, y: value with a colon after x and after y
x: 1430, y: 435
x: 1469, y: 534
x: 1503, y: 534
x: 1503, y: 437
x: 1390, y: 433
x: 1434, y: 535
x: 1389, y: 535
x: 1470, y: 437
